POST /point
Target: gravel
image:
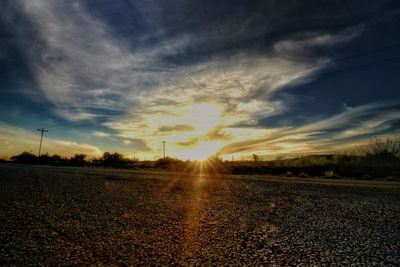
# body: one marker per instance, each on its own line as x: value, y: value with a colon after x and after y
x: 80, y: 216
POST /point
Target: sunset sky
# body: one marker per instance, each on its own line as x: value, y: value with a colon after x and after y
x: 206, y: 76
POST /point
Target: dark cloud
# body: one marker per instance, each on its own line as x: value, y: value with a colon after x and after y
x: 175, y: 128
x: 217, y: 134
x: 224, y: 27
x: 188, y: 143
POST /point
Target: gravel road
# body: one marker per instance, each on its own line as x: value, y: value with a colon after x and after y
x: 80, y: 216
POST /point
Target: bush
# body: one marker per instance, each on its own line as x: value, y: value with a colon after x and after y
x: 112, y: 160
x: 25, y: 157
x: 52, y: 160
x: 384, y: 149
x: 168, y: 163
x: 78, y: 160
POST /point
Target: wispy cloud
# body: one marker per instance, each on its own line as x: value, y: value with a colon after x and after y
x: 79, y: 65
x: 175, y: 128
x: 87, y: 72
x: 188, y: 143
x: 100, y: 134
x: 301, y: 46
x: 328, y: 134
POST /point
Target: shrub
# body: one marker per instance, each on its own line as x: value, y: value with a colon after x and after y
x: 303, y: 175
x: 25, y: 157
x: 112, y: 160
x: 78, y: 160
x: 170, y: 164
x: 384, y: 149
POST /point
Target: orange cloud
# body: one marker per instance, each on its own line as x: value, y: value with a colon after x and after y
x: 175, y: 128
x: 191, y: 142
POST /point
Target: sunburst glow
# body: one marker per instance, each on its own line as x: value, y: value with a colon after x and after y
x: 201, y: 151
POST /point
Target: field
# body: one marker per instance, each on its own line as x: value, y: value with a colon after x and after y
x: 88, y: 216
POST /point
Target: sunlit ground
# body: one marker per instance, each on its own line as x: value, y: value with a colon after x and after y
x: 59, y: 216
x: 195, y: 205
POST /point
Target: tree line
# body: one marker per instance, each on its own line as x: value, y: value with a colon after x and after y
x: 107, y: 159
x: 379, y: 159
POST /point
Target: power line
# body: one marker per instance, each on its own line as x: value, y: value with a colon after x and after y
x: 41, y: 138
x: 369, y: 52
x: 354, y: 68
x: 329, y: 74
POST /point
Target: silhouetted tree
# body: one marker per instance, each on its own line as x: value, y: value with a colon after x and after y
x: 164, y: 163
x: 78, y: 160
x: 384, y: 149
x: 113, y: 159
x: 54, y: 159
x: 25, y: 157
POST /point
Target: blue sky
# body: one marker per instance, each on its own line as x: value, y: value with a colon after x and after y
x: 235, y: 77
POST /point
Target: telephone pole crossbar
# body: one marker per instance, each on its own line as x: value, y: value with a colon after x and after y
x: 41, y: 138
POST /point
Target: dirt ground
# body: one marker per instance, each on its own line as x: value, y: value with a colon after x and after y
x: 83, y: 216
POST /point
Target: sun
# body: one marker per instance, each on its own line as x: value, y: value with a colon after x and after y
x: 201, y: 151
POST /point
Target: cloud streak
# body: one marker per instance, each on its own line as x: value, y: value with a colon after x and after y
x: 327, y: 134
x: 80, y: 66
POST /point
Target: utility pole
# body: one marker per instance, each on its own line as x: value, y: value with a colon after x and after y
x: 163, y: 142
x: 41, y: 138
